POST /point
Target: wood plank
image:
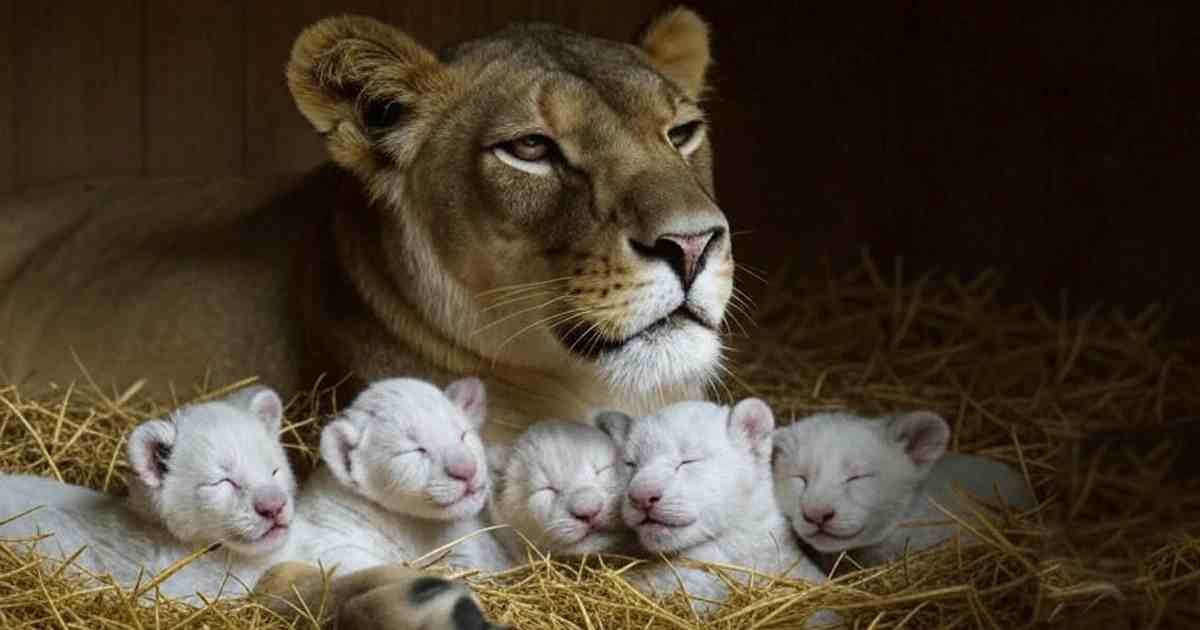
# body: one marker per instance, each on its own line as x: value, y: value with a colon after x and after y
x: 76, y: 112
x: 278, y: 138
x: 8, y: 150
x: 195, y: 87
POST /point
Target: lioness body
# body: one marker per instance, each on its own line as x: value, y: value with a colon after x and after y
x: 534, y: 208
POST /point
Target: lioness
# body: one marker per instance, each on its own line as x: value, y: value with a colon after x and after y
x: 534, y: 207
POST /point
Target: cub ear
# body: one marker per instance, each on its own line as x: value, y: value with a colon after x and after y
x: 355, y: 78
x: 677, y: 44
x: 497, y: 457
x: 922, y: 434
x: 614, y: 423
x: 263, y: 402
x: 339, y: 438
x: 149, y: 450
x: 752, y: 422
x: 470, y: 395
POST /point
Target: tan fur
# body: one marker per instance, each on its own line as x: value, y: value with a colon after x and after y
x: 379, y: 598
x: 677, y: 43
x: 430, y: 259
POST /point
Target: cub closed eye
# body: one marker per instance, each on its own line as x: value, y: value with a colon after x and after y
x: 631, y: 464
x: 418, y: 450
x: 686, y: 462
x: 857, y: 477
x: 233, y: 484
x: 531, y: 154
x: 686, y: 137
x: 546, y: 489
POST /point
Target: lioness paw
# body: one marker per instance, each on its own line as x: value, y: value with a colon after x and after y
x: 387, y: 597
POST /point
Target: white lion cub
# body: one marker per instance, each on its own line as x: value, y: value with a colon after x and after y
x: 560, y: 485
x: 700, y: 489
x: 404, y: 474
x: 863, y: 485
x: 212, y: 472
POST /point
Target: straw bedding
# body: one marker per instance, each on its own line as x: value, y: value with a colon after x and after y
x: 1085, y: 405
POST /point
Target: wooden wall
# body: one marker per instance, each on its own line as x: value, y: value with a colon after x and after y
x: 1058, y: 142
x: 159, y: 87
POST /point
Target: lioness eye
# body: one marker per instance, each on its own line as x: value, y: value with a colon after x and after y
x: 680, y: 134
x: 531, y: 148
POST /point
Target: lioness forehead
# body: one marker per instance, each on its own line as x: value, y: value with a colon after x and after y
x: 572, y: 74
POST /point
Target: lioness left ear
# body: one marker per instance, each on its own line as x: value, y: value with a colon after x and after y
x: 470, y: 395
x: 677, y: 44
x: 355, y: 78
x: 752, y: 421
x: 922, y: 434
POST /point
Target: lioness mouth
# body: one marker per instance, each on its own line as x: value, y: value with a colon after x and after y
x: 584, y: 340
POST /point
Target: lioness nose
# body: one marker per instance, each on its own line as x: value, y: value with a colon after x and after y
x: 684, y: 252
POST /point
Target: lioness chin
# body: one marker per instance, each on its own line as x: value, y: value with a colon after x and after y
x: 534, y: 207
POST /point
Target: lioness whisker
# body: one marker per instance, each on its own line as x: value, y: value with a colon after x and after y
x: 518, y: 314
x: 552, y: 320
x: 512, y: 300
x: 522, y: 286
x: 757, y: 274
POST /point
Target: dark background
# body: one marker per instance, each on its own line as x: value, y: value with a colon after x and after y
x: 1056, y: 143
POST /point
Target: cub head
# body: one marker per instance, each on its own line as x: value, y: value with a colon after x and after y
x: 844, y: 481
x: 216, y: 472
x: 547, y: 195
x: 413, y: 448
x: 560, y: 485
x: 695, y: 468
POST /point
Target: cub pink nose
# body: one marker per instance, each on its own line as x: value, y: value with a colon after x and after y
x: 461, y: 469
x: 644, y: 497
x: 819, y: 516
x: 271, y: 505
x: 587, y: 506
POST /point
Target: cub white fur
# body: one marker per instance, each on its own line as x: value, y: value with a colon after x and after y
x: 849, y: 483
x: 700, y: 489
x: 560, y: 486
x: 404, y: 474
x: 208, y: 473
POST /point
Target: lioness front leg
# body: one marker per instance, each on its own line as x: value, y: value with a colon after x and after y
x: 387, y: 597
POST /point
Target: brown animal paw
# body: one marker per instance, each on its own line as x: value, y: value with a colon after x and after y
x: 388, y: 597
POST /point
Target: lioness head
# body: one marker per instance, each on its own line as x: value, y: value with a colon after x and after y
x: 544, y: 198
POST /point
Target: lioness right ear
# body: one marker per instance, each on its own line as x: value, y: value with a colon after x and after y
x: 677, y: 44
x: 339, y: 438
x: 355, y: 78
x: 613, y: 423
x: 149, y: 450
